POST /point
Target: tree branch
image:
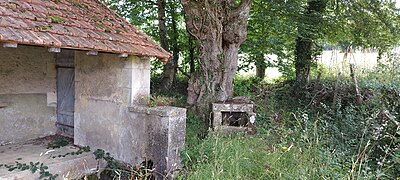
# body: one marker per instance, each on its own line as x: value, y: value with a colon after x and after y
x: 242, y: 6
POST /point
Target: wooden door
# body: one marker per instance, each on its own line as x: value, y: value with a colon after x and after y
x: 65, y: 63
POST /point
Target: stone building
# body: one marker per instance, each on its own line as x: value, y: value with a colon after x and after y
x: 74, y: 67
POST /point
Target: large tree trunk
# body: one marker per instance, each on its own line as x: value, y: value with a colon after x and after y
x: 260, y: 66
x: 308, y: 33
x: 169, y: 68
x: 220, y: 26
x: 161, y: 24
x: 303, y: 60
x: 175, y: 48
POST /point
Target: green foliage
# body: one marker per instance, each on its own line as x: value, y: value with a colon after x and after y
x: 367, y: 23
x: 274, y: 27
x: 271, y: 30
x: 59, y: 142
x: 81, y: 150
x: 231, y: 157
x: 117, y: 170
x: 33, y: 168
x: 246, y: 86
x: 143, y: 14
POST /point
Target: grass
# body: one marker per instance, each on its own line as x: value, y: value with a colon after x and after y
x: 264, y: 156
x: 229, y: 157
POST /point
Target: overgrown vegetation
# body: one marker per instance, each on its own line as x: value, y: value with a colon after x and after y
x: 154, y: 100
x: 118, y: 170
x: 307, y: 136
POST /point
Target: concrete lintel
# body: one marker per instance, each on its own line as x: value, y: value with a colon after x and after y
x: 92, y: 53
x: 10, y: 45
x: 163, y: 111
x: 233, y: 107
x: 54, y: 49
x: 123, y: 55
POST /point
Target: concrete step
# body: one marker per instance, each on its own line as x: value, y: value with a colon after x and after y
x: 68, y: 167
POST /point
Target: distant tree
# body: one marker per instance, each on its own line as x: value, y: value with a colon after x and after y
x: 220, y: 26
x: 364, y: 24
x: 271, y: 30
x: 309, y: 31
x: 296, y: 30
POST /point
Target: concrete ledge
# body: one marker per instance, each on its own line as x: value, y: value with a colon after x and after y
x: 163, y: 111
x: 3, y: 104
x: 233, y: 107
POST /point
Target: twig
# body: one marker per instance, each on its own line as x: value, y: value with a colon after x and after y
x: 359, y: 99
x: 335, y: 93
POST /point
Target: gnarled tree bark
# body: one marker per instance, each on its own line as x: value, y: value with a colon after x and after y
x: 220, y: 26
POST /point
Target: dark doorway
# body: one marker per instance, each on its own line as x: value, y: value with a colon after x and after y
x: 65, y: 63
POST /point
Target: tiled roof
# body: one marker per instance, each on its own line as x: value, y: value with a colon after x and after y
x: 74, y: 24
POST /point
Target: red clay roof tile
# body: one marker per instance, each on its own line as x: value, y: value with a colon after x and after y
x: 74, y: 24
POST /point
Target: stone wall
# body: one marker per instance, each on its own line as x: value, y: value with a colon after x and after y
x: 27, y: 77
x: 105, y: 87
x: 110, y: 115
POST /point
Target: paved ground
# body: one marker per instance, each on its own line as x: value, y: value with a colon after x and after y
x: 68, y: 167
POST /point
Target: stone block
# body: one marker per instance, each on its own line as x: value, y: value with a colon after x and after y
x: 51, y: 99
x: 234, y: 110
x: 166, y: 127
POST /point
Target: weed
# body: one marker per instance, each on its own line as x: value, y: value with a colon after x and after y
x: 117, y: 169
x: 153, y: 101
x: 47, y: 27
x: 33, y: 168
x: 78, y: 152
x: 55, y: 19
x: 60, y: 141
